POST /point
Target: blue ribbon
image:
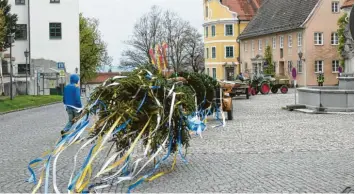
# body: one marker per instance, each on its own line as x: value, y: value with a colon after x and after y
x: 122, y: 126
x: 47, y: 175
x: 155, y: 168
x: 141, y: 104
x: 70, y: 187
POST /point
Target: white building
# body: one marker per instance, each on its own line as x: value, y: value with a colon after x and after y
x: 49, y: 29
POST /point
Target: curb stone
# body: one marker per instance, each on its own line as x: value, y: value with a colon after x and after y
x: 308, y: 111
x: 31, y: 107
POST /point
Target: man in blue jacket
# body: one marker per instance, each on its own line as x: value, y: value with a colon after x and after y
x: 71, y: 100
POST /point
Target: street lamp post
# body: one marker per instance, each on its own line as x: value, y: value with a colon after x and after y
x: 10, y: 39
x: 26, y: 55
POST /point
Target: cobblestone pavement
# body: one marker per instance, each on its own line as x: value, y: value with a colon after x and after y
x: 264, y: 149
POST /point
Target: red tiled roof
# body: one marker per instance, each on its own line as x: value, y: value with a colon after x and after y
x: 101, y: 77
x: 347, y: 3
x: 246, y: 9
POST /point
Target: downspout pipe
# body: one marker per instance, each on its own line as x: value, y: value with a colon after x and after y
x: 240, y: 61
x: 29, y: 43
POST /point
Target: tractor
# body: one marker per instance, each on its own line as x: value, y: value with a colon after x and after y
x: 259, y: 84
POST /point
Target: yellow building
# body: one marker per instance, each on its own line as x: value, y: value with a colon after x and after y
x: 224, y: 20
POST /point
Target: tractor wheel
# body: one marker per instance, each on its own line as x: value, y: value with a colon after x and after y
x: 230, y: 113
x: 274, y: 89
x: 252, y: 91
x: 264, y: 88
x: 284, y: 89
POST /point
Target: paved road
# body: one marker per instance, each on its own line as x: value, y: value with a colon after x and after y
x: 264, y: 149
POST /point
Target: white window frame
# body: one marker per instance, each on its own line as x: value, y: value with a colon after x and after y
x: 334, y: 40
x: 299, y: 66
x: 215, y: 52
x: 290, y: 41
x: 316, y: 40
x: 214, y: 73
x: 245, y: 46
x: 225, y: 29
x: 299, y: 39
x: 335, y: 6
x: 206, y: 32
x: 252, y: 45
x: 281, y: 41
x: 274, y: 42
x: 225, y: 51
x: 213, y: 27
x: 260, y: 46
x: 316, y: 66
x: 207, y: 53
x: 337, y: 64
x: 289, y: 66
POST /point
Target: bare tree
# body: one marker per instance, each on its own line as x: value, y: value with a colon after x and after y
x: 156, y: 27
x: 147, y: 32
x: 195, y: 51
x: 176, y: 34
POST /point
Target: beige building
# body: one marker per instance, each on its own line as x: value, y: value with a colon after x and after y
x: 292, y: 27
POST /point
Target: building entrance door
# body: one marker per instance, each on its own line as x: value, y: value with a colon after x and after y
x: 281, y: 68
x: 230, y: 73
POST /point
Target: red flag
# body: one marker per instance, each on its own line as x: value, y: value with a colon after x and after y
x: 152, y: 56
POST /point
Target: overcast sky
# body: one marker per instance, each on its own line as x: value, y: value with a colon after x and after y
x: 117, y: 17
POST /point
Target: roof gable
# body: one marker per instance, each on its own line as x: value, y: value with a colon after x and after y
x: 278, y: 16
x: 246, y: 9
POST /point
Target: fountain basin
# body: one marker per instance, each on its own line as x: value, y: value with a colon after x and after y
x: 332, y: 98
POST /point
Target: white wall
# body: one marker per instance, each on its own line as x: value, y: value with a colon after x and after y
x: 43, y: 12
x: 66, y: 49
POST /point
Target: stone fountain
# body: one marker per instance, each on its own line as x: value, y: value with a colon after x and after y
x: 333, y: 98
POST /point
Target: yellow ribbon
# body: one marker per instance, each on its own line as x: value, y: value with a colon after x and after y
x: 128, y: 152
x: 162, y: 173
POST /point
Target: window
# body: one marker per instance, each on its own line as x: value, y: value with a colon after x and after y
x: 299, y: 66
x: 229, y: 52
x: 289, y: 63
x: 213, y: 52
x: 206, y: 31
x: 20, y: 2
x: 214, y: 74
x: 318, y: 66
x: 334, y: 39
x: 213, y: 29
x: 245, y: 67
x: 252, y: 45
x: 335, y: 6
x: 259, y: 43
x: 281, y: 41
x: 54, y: 1
x: 21, y: 32
x: 266, y: 42
x: 55, y: 30
x: 21, y: 69
x: 208, y: 71
x: 207, y: 53
x: 245, y: 46
x: 229, y: 30
x: 299, y: 39
x: 318, y: 38
x: 335, y: 66
x: 290, y: 41
x: 206, y: 11
x: 274, y: 42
